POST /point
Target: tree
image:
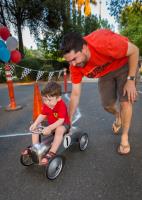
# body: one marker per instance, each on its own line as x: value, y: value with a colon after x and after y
x: 71, y: 20
x: 36, y: 14
x: 18, y: 13
x: 56, y: 22
x: 129, y: 15
x: 130, y: 23
x: 115, y: 7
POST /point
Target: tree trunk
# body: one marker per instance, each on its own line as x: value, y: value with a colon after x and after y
x: 21, y: 47
x: 74, y: 12
x: 68, y: 8
x: 2, y: 20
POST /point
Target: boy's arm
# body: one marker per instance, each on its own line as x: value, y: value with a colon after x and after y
x: 59, y: 122
x: 39, y: 119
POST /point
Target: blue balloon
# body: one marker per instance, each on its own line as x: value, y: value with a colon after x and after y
x: 4, y: 54
x: 2, y: 44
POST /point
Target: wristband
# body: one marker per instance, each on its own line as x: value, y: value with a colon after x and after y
x: 132, y: 78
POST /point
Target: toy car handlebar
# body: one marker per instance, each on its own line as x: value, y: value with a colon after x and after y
x: 38, y: 130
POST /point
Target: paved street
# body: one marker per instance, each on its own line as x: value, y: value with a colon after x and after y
x: 99, y: 173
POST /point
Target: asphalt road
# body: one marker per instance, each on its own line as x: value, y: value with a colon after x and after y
x: 98, y: 173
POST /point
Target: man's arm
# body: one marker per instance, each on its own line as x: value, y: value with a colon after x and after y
x: 74, y: 99
x: 133, y: 56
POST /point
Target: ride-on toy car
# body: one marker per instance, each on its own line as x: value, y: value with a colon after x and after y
x: 55, y: 165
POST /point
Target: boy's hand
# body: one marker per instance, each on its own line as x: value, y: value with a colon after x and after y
x: 33, y: 127
x: 46, y: 131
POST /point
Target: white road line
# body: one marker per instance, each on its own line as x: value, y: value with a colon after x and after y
x: 76, y: 118
x: 14, y: 135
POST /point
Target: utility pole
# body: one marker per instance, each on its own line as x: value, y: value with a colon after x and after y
x: 100, y: 10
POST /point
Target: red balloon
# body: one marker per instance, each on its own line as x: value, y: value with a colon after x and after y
x: 15, y: 56
x: 4, y: 32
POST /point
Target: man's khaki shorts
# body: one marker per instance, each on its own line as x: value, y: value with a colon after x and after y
x: 111, y: 86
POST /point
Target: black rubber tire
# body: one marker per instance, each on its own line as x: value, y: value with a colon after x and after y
x: 26, y: 160
x: 54, y: 167
x: 83, y: 142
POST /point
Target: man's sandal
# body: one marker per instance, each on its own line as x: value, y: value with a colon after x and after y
x: 45, y: 160
x: 122, y: 149
x: 26, y: 151
x: 116, y: 127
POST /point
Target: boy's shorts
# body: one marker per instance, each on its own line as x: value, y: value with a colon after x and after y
x: 111, y: 86
x: 67, y: 126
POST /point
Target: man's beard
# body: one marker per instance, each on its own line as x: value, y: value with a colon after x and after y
x: 83, y: 63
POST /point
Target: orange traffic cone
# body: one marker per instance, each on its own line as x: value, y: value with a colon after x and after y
x: 37, y: 105
x: 12, y: 106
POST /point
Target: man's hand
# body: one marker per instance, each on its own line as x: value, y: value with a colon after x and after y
x: 130, y: 90
x: 47, y: 130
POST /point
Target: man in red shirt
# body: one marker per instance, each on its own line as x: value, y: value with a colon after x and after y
x: 113, y: 59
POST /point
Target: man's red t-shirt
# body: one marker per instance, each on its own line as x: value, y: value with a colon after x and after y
x: 108, y: 53
x: 59, y: 111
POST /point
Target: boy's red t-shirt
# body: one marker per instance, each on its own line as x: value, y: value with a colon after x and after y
x: 59, y: 111
x: 108, y: 53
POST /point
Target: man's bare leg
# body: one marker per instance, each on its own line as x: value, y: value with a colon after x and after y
x: 126, y: 116
x: 115, y: 111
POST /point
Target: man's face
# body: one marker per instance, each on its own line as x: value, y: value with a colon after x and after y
x: 78, y: 59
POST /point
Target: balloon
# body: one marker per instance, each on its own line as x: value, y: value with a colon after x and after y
x: 4, y: 32
x: 2, y: 44
x: 15, y: 56
x: 4, y: 54
x: 11, y: 43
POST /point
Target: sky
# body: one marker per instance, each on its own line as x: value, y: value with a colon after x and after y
x: 104, y: 13
x: 29, y: 39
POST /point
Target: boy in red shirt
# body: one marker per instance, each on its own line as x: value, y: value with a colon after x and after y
x: 55, y: 110
x: 113, y: 59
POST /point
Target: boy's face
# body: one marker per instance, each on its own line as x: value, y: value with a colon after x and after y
x: 50, y: 101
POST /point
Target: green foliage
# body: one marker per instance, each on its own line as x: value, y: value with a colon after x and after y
x: 116, y: 6
x: 18, y: 13
x: 104, y: 23
x: 129, y: 15
x: 38, y: 15
x: 84, y: 25
x: 33, y: 63
x: 2, y: 73
x: 37, y: 64
x: 30, y: 53
x: 52, y: 19
x: 131, y: 25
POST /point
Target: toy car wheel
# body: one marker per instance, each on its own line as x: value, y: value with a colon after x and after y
x: 26, y: 160
x: 83, y: 142
x: 54, y: 167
